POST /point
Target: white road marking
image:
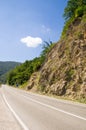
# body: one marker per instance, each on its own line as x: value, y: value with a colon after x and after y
x: 54, y: 108
x: 16, y: 116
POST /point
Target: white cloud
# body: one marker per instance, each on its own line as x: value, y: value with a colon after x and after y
x: 31, y: 41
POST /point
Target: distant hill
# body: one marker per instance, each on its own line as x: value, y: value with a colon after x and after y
x: 6, y: 67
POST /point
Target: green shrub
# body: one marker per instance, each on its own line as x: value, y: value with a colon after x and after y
x: 79, y: 11
x: 69, y: 73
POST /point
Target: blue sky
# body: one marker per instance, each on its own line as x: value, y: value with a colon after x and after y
x: 25, y: 24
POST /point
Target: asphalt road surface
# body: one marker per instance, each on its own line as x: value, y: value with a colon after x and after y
x: 37, y: 112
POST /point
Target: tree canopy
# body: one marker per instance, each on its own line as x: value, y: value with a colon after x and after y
x: 74, y: 8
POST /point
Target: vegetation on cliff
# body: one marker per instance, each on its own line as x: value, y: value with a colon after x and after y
x: 73, y: 10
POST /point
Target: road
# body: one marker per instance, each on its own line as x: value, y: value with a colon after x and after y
x: 37, y: 112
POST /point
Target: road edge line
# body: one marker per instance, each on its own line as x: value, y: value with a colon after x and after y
x: 57, y: 109
x: 16, y: 116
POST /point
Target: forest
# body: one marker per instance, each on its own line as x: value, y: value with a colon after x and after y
x: 5, y: 67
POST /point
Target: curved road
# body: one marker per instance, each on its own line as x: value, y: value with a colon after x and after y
x: 37, y: 112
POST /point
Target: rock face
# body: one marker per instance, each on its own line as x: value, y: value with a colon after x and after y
x: 64, y: 71
x: 33, y: 82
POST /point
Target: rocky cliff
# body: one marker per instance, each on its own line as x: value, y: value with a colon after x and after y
x: 64, y: 71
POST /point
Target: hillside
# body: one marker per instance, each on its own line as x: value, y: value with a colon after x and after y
x: 64, y: 71
x: 6, y: 67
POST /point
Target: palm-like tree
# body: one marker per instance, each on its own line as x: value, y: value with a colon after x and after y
x: 47, y: 47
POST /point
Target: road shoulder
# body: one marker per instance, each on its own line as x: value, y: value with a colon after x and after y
x: 7, y: 120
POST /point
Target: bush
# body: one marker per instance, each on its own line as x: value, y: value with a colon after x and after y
x: 79, y: 11
x: 69, y: 73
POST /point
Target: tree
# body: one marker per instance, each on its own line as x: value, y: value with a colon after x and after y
x: 72, y: 6
x: 73, y: 10
x: 47, y: 47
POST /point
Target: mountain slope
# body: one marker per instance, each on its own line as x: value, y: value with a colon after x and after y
x: 64, y: 71
x: 5, y: 67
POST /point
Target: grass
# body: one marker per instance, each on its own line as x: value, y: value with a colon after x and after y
x: 23, y: 86
x: 66, y: 27
x: 80, y: 100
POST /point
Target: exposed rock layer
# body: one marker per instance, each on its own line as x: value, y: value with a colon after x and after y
x: 64, y: 71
